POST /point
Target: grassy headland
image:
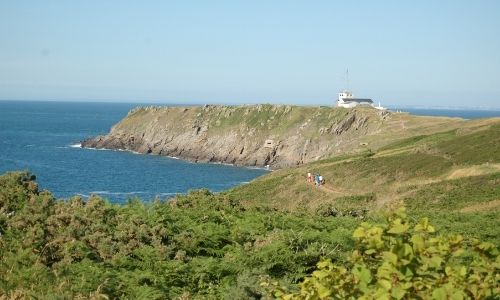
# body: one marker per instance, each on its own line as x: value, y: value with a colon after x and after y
x: 260, y: 135
x: 453, y: 175
x: 206, y: 246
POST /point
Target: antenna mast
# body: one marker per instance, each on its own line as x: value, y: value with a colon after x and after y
x: 347, y: 78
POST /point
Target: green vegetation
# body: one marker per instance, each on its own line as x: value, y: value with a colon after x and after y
x: 265, y: 134
x: 197, y: 246
x: 397, y: 260
x: 467, y: 206
x: 452, y: 177
x: 267, y: 236
x: 206, y: 246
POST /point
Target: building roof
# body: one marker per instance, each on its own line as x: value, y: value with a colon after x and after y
x: 357, y: 100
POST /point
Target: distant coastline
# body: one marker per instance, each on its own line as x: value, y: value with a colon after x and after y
x: 261, y: 135
x: 453, y: 112
x: 43, y: 137
x: 201, y: 103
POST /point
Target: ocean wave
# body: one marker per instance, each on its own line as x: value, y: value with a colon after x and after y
x: 83, y: 195
x: 258, y: 168
x: 186, y: 160
x: 107, y: 149
x: 117, y: 193
x: 76, y: 145
x: 98, y: 149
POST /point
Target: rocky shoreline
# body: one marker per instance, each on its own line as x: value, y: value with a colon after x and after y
x: 256, y: 135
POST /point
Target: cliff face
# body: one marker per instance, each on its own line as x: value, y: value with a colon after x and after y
x: 258, y: 135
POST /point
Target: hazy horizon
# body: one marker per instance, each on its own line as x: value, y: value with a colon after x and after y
x: 429, y: 54
x: 197, y: 103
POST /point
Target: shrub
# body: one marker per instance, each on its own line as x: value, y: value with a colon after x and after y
x: 397, y: 260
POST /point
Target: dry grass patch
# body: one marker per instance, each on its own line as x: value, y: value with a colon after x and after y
x: 481, y: 207
x: 474, y: 171
x: 394, y: 151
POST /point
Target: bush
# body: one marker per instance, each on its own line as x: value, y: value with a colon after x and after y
x: 397, y: 260
x: 197, y: 246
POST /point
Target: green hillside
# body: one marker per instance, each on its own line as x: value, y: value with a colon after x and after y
x: 199, y: 246
x: 278, y: 136
x: 454, y: 176
x: 272, y: 232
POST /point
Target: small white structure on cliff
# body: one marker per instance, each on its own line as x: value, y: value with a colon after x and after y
x: 380, y: 107
x: 346, y: 99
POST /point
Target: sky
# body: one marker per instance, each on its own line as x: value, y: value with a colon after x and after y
x: 427, y: 53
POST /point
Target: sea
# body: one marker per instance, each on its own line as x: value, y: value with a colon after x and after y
x: 44, y: 137
x: 450, y: 112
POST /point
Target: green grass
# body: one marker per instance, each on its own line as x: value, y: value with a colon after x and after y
x: 420, y: 140
x: 418, y: 176
x: 452, y: 195
x: 201, y: 245
x: 475, y: 148
x: 442, y: 203
x: 481, y: 225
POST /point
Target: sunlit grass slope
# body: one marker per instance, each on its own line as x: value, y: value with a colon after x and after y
x: 453, y: 175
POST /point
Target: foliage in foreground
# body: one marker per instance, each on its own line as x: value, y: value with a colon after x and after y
x: 205, y: 246
x: 199, y: 246
x: 399, y: 261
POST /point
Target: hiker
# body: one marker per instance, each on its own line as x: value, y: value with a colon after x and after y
x: 316, y: 179
x: 309, y: 177
x: 321, y: 180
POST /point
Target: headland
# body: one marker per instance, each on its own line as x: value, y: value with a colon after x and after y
x: 263, y: 135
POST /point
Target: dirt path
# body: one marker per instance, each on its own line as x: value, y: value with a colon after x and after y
x: 331, y: 190
x: 392, y: 152
x: 481, y: 207
x: 327, y: 189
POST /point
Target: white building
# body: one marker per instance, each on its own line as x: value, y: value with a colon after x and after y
x: 380, y: 107
x: 346, y: 99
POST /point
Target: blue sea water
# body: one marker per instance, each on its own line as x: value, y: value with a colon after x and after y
x: 42, y: 136
x: 458, y: 113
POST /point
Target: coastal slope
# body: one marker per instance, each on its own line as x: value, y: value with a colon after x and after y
x: 457, y: 165
x: 260, y: 135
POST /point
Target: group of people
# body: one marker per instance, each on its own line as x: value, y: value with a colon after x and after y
x: 316, y: 179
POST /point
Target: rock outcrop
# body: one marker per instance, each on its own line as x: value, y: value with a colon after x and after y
x: 256, y: 135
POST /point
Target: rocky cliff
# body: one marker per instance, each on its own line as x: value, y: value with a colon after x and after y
x: 260, y: 135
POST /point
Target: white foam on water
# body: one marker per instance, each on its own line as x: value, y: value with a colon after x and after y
x: 168, y: 194
x: 107, y: 149
x: 83, y: 195
x: 98, y: 149
x: 117, y: 193
x: 258, y: 168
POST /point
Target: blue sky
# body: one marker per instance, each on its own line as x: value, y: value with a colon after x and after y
x: 398, y: 52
